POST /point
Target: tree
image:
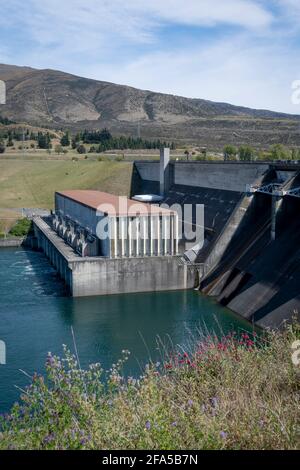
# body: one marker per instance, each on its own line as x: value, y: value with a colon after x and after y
x: 10, y: 142
x: 44, y: 141
x: 246, y: 153
x: 229, y: 152
x: 81, y: 149
x: 2, y: 147
x: 187, y: 154
x: 65, y: 140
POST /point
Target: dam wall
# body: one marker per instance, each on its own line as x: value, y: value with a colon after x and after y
x: 91, y: 276
x: 227, y: 176
x: 258, y: 276
x: 245, y: 266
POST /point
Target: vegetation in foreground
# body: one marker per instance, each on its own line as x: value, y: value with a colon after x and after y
x: 234, y: 393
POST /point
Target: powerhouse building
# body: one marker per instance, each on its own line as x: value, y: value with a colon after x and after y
x: 100, y: 224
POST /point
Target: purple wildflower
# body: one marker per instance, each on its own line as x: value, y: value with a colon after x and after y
x: 223, y: 435
x: 214, y: 402
x: 148, y: 425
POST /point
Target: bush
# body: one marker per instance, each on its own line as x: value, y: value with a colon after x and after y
x: 2, y: 147
x: 81, y: 149
x: 239, y: 392
x: 230, y: 152
x: 21, y: 228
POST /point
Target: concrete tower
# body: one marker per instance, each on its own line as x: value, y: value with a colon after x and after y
x: 164, y: 170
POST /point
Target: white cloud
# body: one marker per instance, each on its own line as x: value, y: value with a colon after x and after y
x: 87, y: 24
x: 118, y: 41
x: 245, y: 13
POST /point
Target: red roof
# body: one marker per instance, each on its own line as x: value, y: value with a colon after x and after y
x: 111, y: 204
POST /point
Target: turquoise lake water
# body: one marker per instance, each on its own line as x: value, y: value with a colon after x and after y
x: 36, y: 316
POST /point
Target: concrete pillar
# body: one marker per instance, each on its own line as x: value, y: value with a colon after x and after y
x: 164, y: 171
x: 176, y: 241
x: 129, y: 237
x: 123, y: 235
x: 276, y: 202
x: 114, y: 237
x: 166, y: 234
x: 137, y: 235
x: 151, y: 235
x: 161, y: 240
x: 172, y: 235
x: 145, y: 235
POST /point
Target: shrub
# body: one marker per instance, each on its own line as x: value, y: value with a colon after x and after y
x: 81, y: 149
x: 21, y: 228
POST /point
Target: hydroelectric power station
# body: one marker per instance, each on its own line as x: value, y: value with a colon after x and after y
x: 249, y: 258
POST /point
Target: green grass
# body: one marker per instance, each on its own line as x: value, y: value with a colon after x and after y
x: 32, y: 183
x: 234, y: 393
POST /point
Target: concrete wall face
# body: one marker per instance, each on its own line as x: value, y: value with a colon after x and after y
x: 149, y: 171
x: 101, y: 276
x: 113, y: 276
x: 230, y: 177
x: 79, y: 213
x: 223, y: 176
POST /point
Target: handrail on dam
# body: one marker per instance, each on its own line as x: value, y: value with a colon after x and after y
x: 273, y: 189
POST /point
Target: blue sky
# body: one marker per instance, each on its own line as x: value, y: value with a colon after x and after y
x: 245, y: 52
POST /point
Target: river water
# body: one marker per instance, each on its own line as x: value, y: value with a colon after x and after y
x: 36, y: 316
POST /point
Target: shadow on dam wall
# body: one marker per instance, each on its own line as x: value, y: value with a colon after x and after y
x: 252, y: 275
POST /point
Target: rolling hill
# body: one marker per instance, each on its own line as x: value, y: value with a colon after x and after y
x: 60, y: 100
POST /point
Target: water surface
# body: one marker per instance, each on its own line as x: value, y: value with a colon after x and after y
x: 36, y: 316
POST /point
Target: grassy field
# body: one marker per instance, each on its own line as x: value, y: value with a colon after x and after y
x: 32, y: 183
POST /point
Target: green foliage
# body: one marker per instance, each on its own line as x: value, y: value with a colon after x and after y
x: 21, y: 228
x: 279, y: 152
x: 81, y: 149
x: 2, y: 147
x: 65, y: 140
x: 246, y: 153
x: 229, y: 152
x: 10, y: 142
x: 106, y: 141
x: 44, y: 140
x: 237, y: 392
x: 6, y: 121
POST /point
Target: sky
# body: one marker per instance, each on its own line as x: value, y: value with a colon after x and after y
x: 244, y: 52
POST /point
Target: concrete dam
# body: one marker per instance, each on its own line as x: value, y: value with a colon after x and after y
x: 250, y: 258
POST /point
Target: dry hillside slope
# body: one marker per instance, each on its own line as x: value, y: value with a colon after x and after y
x: 61, y: 100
